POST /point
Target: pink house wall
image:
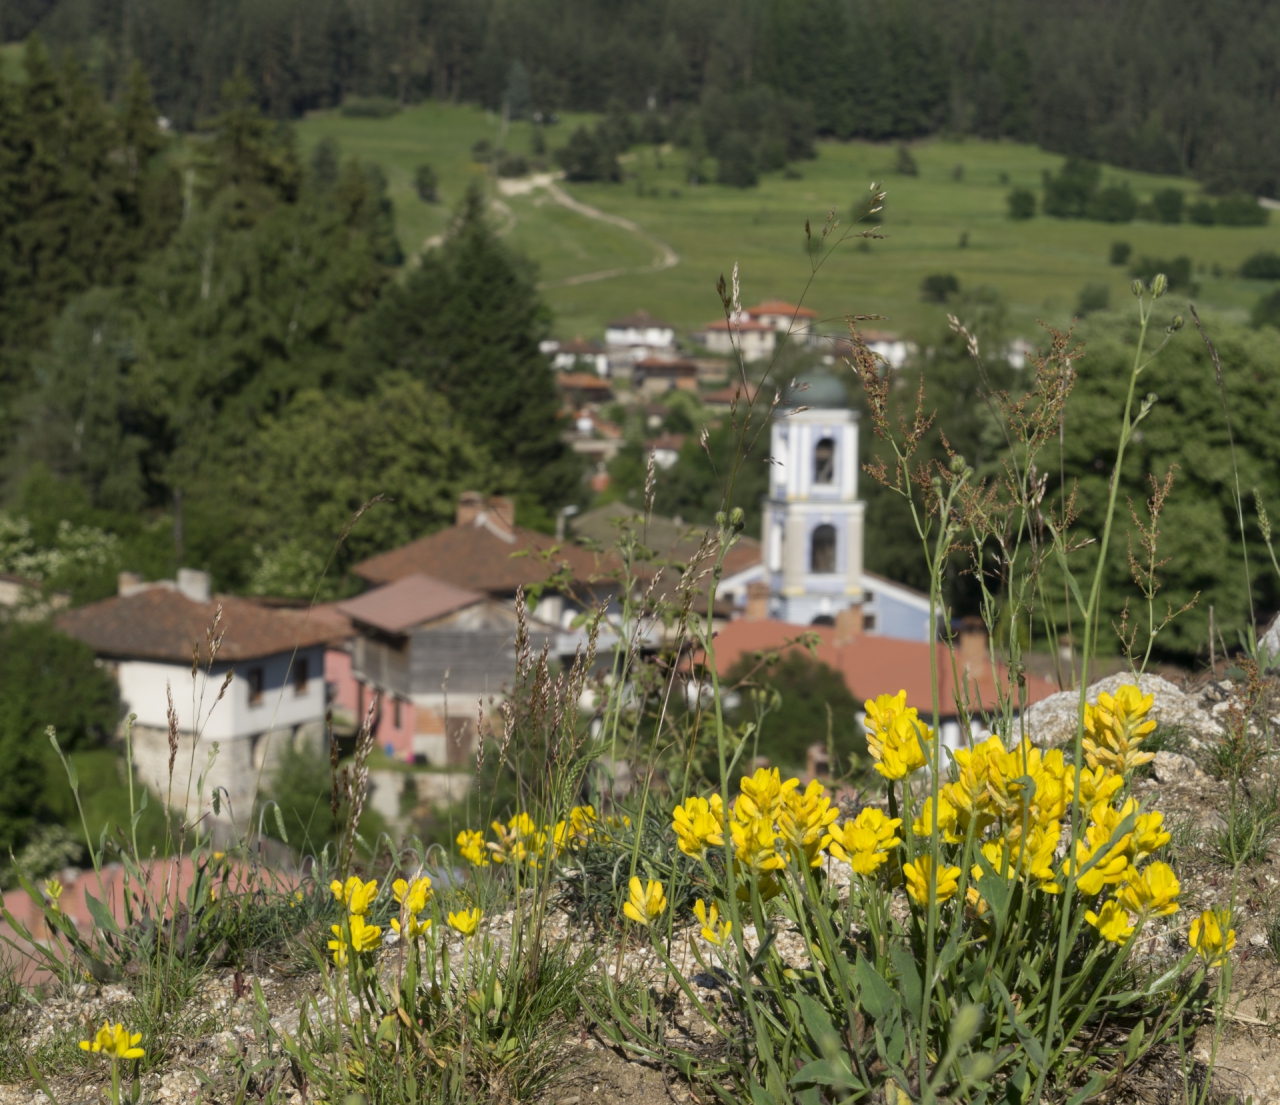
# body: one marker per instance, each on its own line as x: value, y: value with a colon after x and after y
x: 350, y: 696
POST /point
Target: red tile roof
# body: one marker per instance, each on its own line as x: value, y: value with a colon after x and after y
x: 640, y: 320
x: 474, y: 557
x: 781, y: 307
x: 409, y: 601
x: 873, y: 665
x: 582, y: 381
x: 160, y: 624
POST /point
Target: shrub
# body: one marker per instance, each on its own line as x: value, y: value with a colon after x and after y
x: 936, y: 288
x: 1120, y: 253
x: 1067, y: 195
x: 1266, y: 312
x: 1240, y: 211
x: 1167, y: 205
x: 1264, y: 265
x: 736, y: 163
x: 1202, y: 213
x: 482, y: 151
x: 426, y: 184
x: 1093, y: 297
x: 369, y: 107
x: 1115, y: 204
x: 905, y: 165
x: 587, y: 158
x: 1177, y: 272
x: 512, y: 165
x: 1022, y: 203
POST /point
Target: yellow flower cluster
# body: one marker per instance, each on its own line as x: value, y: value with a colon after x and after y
x: 520, y: 839
x: 1115, y: 727
x: 358, y: 897
x: 1212, y: 936
x: 864, y: 843
x: 646, y: 903
x: 413, y: 898
x: 699, y: 825
x: 896, y: 736
x: 355, y: 894
x: 464, y: 921
x: 115, y: 1042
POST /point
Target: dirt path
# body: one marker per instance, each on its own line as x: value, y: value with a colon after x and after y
x: 664, y: 256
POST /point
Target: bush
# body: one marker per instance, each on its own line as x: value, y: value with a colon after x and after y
x: 512, y: 165
x: 1177, y: 272
x: 905, y: 165
x: 1266, y: 312
x: 1067, y: 195
x: 1093, y: 297
x: 1167, y: 205
x: 1264, y: 265
x: 1202, y: 213
x: 936, y: 288
x: 482, y: 151
x: 586, y: 158
x: 1022, y: 203
x: 1120, y: 253
x: 369, y: 107
x: 1112, y: 205
x: 737, y: 162
x: 426, y: 184
x: 1240, y: 211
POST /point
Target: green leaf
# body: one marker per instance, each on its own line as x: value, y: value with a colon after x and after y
x: 101, y: 915
x: 875, y: 995
x: 1090, y: 1088
x: 908, y: 972
x: 1135, y: 1042
x: 761, y: 1096
x: 818, y: 1024
x: 1029, y: 1043
x: 827, y: 1072
x: 280, y: 823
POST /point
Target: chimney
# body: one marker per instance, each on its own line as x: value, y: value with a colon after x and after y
x: 128, y: 583
x: 503, y: 512
x: 470, y: 506
x: 848, y: 624
x: 971, y: 644
x: 194, y: 584
x: 757, y: 601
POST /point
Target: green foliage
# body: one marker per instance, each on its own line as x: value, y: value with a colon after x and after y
x: 905, y: 165
x: 1167, y: 203
x: 814, y: 707
x: 691, y: 488
x: 1263, y: 265
x: 588, y: 157
x: 1022, y: 203
x: 1177, y: 271
x: 333, y: 454
x: 736, y: 163
x: 1093, y: 297
x: 303, y: 788
x: 1202, y: 213
x: 426, y: 184
x: 369, y: 107
x: 936, y: 288
x: 1266, y: 312
x: 1240, y: 211
x: 467, y: 323
x: 1119, y: 254
x: 1115, y: 204
x: 1068, y: 194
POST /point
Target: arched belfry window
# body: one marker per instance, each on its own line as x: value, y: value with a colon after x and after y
x: 824, y: 461
x: 822, y: 553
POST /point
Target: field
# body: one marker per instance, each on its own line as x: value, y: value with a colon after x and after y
x: 1038, y: 266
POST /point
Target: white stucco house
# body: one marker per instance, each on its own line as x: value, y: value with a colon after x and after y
x: 639, y: 335
x: 757, y: 340
x: 147, y: 636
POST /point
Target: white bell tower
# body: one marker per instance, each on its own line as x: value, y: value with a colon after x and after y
x: 813, y: 520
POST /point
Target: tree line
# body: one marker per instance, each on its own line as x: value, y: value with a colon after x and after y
x: 208, y: 361
x: 1164, y: 86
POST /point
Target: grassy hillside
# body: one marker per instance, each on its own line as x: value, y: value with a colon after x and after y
x: 1038, y: 266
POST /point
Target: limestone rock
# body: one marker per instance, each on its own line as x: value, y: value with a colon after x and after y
x: 1173, y: 767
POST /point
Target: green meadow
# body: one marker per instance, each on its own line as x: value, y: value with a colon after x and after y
x: 1038, y: 266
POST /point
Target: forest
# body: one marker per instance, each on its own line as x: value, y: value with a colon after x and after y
x: 1165, y: 86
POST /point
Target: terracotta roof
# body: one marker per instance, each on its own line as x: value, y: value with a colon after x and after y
x: 639, y: 320
x: 656, y: 366
x: 725, y: 396
x: 781, y: 307
x: 477, y: 558
x: 409, y: 601
x: 160, y: 624
x: 582, y: 381
x: 672, y: 442
x: 873, y: 665
x: 581, y: 347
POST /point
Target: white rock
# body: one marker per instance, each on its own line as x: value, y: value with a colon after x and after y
x: 1172, y: 767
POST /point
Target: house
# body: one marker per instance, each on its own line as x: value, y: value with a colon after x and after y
x: 658, y: 375
x: 584, y: 387
x: 639, y: 335
x: 873, y: 665
x: 260, y: 687
x: 431, y: 650
x: 755, y: 340
x: 577, y: 356
x: 594, y: 437
x: 784, y: 317
x: 725, y: 399
x: 665, y: 450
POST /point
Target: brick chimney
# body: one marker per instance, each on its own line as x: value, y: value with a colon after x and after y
x: 129, y: 583
x: 757, y: 609
x: 502, y: 511
x: 848, y: 624
x: 971, y: 645
x: 470, y: 505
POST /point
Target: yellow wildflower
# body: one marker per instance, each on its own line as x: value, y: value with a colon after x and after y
x: 707, y: 918
x: 645, y: 903
x: 902, y: 747
x: 762, y: 794
x: 53, y: 889
x: 1115, y: 727
x: 864, y: 842
x: 471, y: 846
x: 804, y: 820
x: 1096, y: 785
x: 755, y: 844
x: 364, y: 937
x: 882, y: 712
x: 948, y: 817
x: 417, y: 925
x: 921, y: 883
x: 1112, y: 922
x: 116, y: 1042
x: 1148, y: 834
x: 357, y: 896
x: 464, y: 921
x: 699, y: 824
x: 413, y: 896
x: 1153, y: 891
x: 1210, y: 935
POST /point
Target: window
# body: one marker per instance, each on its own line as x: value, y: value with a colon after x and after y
x: 822, y: 554
x: 301, y: 675
x: 869, y: 623
x: 395, y: 720
x: 824, y: 461
x: 257, y: 684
